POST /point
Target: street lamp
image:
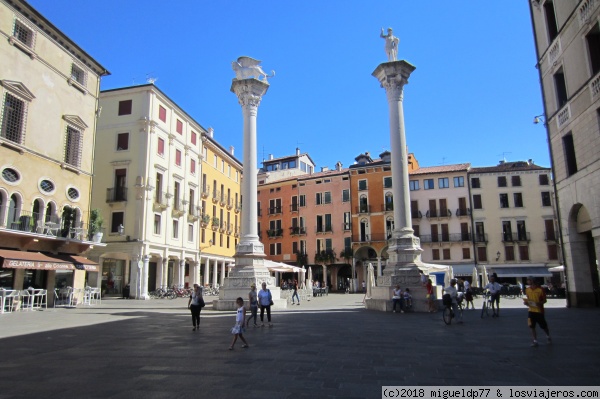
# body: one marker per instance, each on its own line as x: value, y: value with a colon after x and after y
x: 539, y: 119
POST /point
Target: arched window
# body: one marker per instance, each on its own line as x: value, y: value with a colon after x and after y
x: 389, y: 227
x: 50, y: 212
x: 13, y: 210
x: 389, y: 202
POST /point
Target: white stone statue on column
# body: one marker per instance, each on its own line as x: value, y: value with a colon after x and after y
x: 391, y: 44
x: 247, y: 67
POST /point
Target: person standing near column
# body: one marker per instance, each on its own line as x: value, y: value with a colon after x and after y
x: 265, y: 300
x: 295, y: 294
x: 253, y: 300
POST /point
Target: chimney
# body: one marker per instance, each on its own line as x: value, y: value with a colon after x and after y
x: 270, y: 156
x: 501, y: 162
x: 530, y: 161
x: 338, y: 166
x: 297, y: 151
x: 231, y: 149
x: 324, y: 169
x: 211, y: 132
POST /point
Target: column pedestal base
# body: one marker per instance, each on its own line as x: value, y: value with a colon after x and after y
x: 249, y: 268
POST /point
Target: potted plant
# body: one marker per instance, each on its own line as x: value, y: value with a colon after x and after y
x: 96, y: 222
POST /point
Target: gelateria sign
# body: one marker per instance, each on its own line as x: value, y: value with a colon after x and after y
x: 39, y: 261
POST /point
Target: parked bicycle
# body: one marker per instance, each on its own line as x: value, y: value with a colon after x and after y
x: 487, y: 304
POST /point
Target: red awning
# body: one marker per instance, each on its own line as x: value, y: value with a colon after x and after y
x: 35, y: 260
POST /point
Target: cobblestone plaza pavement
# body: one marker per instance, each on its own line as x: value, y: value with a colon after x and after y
x: 329, y: 347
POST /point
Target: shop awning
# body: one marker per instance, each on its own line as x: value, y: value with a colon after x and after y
x: 521, y: 271
x: 463, y: 270
x: 38, y: 261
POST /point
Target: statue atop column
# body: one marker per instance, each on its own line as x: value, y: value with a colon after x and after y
x: 247, y: 67
x: 391, y: 44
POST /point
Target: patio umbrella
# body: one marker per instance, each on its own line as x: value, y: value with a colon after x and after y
x: 370, y: 280
x: 302, y: 277
x: 310, y: 278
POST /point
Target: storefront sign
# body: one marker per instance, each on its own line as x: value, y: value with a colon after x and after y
x: 25, y: 264
x: 38, y: 261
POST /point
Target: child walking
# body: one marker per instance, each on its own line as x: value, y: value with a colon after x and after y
x: 238, y: 329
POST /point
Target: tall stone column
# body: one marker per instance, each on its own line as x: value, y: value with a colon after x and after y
x: 144, y: 277
x: 215, y: 276
x: 222, y: 279
x: 181, y: 273
x: 206, y: 271
x: 249, y: 85
x: 404, y: 248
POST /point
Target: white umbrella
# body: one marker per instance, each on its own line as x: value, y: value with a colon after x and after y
x: 302, y: 277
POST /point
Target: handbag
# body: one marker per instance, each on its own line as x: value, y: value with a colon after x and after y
x: 271, y: 303
x: 235, y: 329
x: 201, y: 302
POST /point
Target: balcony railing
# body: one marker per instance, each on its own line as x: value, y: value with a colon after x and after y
x: 204, y: 219
x: 161, y: 199
x: 387, y: 207
x: 223, y: 200
x: 363, y: 209
x: 294, y: 208
x: 481, y: 237
x: 194, y: 212
x: 297, y: 231
x: 463, y: 212
x: 216, y: 196
x: 514, y: 237
x: 275, y: 233
x: 205, y: 193
x: 177, y: 204
x: 229, y: 203
x: 275, y: 210
x: 116, y: 194
x: 238, y: 207
x: 550, y: 236
x: 416, y: 214
x: 442, y: 213
x: 369, y: 237
x: 324, y: 229
x: 347, y: 226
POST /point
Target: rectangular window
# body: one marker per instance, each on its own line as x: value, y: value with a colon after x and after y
x: 194, y: 138
x: 516, y: 181
x: 23, y: 34
x: 413, y: 185
x: 122, y: 141
x: 175, y: 228
x: 79, y: 75
x: 551, y: 25
x: 215, y: 161
x: 459, y: 181
x: 506, y: 231
x: 477, y: 201
x: 523, y: 252
x: 518, y: 198
x: 179, y: 127
x: 503, y: 200
x: 446, y: 253
x: 546, y: 201
x: 13, y: 119
x: 432, y: 209
x: 73, y: 147
x: 443, y: 182
x: 387, y: 182
x: 428, y: 184
x: 346, y: 195
x: 327, y: 197
x: 362, y: 185
x: 178, y: 157
x: 501, y: 181
x: 521, y: 231
x: 192, y: 167
x: 482, y: 254
x: 560, y: 86
x: 570, y: 159
x: 466, y: 253
x: 156, y: 224
x: 435, y: 254
x: 302, y: 200
x: 414, y: 209
x: 593, y: 44
x: 417, y: 230
x: 550, y: 232
x: 117, y: 219
x: 162, y: 113
x: 544, y: 181
x: 161, y: 147
x: 552, y: 252
x: 125, y: 107
x: 347, y: 221
x: 509, y: 252
x: 475, y: 183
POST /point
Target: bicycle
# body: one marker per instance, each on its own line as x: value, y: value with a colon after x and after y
x: 487, y: 304
x: 448, y: 313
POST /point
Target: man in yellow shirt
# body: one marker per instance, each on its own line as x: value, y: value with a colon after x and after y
x: 536, y: 298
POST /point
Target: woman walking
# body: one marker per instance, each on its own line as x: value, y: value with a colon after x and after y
x: 253, y: 300
x: 195, y: 304
x: 430, y: 295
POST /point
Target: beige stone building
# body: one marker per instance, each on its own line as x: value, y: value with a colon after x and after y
x: 514, y: 223
x: 567, y: 40
x: 147, y: 185
x: 49, y: 93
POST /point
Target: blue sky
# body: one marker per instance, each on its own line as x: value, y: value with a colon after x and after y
x: 472, y: 97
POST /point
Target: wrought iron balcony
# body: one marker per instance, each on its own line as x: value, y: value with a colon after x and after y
x: 276, y: 210
x: 515, y: 237
x: 481, y: 237
x: 297, y: 231
x: 275, y: 233
x: 363, y: 209
x: 324, y: 229
x: 205, y: 192
x: 161, y: 199
x: 116, y: 194
x: 294, y: 208
x: 463, y: 212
